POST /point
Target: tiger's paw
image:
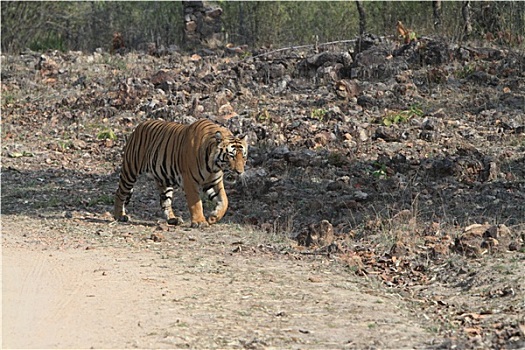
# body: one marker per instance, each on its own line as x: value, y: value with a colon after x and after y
x: 201, y: 224
x: 175, y: 221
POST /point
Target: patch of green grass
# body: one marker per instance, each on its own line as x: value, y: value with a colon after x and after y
x: 380, y: 172
x: 263, y: 116
x: 114, y: 62
x: 8, y: 98
x: 51, y: 202
x: 20, y: 154
x: 318, y: 114
x: 103, y: 199
x: 106, y: 134
x: 245, y: 55
x: 51, y: 41
x: 433, y: 329
x: 402, y: 116
x: 465, y: 71
x: 64, y: 145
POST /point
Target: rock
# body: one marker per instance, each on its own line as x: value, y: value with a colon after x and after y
x: 388, y: 134
x: 365, y: 42
x: 163, y: 80
x: 366, y: 101
x: 320, y: 235
x: 299, y: 159
x: 427, y: 135
x: 514, y: 246
x: 360, y: 196
x: 431, y: 124
x: 476, y: 237
x: 477, y: 229
x: 78, y: 144
x: 503, y: 231
x: 434, y: 52
x: 337, y: 186
x: 347, y: 88
x: 157, y: 237
x: 280, y: 151
x: 321, y: 64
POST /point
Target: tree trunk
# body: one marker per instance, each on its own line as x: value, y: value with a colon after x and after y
x: 436, y: 10
x: 202, y: 25
x: 362, y: 17
x: 465, y: 11
x: 385, y: 17
x: 242, y: 23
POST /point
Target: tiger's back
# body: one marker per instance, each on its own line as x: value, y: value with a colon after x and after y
x: 191, y: 156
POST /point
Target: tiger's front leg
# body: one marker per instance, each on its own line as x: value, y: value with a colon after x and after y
x: 195, y: 206
x: 218, y: 195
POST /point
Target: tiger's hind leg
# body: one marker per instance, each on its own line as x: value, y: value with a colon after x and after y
x: 122, y: 198
x: 166, y: 197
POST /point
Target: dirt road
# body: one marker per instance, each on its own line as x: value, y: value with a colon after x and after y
x: 108, y: 286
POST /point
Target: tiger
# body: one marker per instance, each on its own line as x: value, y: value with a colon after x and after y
x: 191, y: 156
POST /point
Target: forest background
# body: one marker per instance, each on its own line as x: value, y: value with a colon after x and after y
x: 89, y: 25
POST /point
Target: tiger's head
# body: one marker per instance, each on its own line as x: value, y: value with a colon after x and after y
x: 232, y: 152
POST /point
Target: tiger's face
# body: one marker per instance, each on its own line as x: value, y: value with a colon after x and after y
x: 233, y: 153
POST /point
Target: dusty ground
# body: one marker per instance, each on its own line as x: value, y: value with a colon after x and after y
x: 110, y: 286
x: 383, y: 207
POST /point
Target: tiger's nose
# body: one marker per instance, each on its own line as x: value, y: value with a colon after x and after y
x: 239, y: 171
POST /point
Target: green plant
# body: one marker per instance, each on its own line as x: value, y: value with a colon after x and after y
x: 20, y: 154
x: 8, y: 98
x: 50, y: 41
x: 245, y: 55
x: 380, y: 172
x: 64, y: 145
x: 318, y: 114
x: 402, y: 116
x: 114, y: 62
x: 104, y: 199
x: 416, y: 110
x: 263, y: 116
x: 106, y: 134
x: 465, y: 71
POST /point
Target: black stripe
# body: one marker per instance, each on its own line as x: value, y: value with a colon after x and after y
x: 195, y: 180
x: 207, y: 159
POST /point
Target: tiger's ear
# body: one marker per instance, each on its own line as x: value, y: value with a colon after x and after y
x: 218, y: 137
x: 244, y: 139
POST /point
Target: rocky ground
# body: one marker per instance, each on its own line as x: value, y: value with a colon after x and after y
x: 401, y: 164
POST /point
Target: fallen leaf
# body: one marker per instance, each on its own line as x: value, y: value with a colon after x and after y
x: 314, y: 279
x: 20, y: 154
x: 472, y: 331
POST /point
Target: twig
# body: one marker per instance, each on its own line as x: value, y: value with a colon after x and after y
x: 315, y: 252
x: 298, y: 47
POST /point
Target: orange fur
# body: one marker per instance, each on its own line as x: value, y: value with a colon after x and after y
x: 192, y: 156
